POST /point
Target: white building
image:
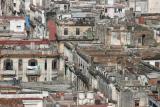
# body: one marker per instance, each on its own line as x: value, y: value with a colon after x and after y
x: 145, y: 6
x: 12, y: 26
x: 17, y: 25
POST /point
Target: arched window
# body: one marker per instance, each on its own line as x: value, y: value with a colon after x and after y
x: 32, y: 62
x: 8, y: 64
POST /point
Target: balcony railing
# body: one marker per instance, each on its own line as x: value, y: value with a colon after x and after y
x: 8, y: 72
x: 33, y: 70
x: 28, y: 51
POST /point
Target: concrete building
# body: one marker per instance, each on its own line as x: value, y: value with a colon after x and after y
x: 139, y: 5
x: 12, y: 26
x: 110, y: 33
x: 153, y: 6
x: 31, y: 63
x: 63, y: 6
x: 38, y: 20
x: 145, y: 6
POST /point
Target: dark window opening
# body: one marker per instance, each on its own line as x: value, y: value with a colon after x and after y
x: 154, y: 105
x: 20, y: 65
x: 119, y: 10
x: 136, y: 103
x: 18, y: 26
x: 115, y: 10
x: 54, y: 64
x: 14, y: 4
x: 77, y: 31
x: 150, y: 103
x: 65, y: 7
x: 32, y: 62
x: 106, y: 10
x: 81, y: 65
x: 143, y: 38
x: 53, y: 78
x: 4, y: 28
x: 45, y: 65
x: 8, y: 64
x: 157, y: 64
x: 65, y: 31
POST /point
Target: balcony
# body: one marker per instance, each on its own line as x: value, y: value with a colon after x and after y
x: 8, y: 72
x: 33, y: 71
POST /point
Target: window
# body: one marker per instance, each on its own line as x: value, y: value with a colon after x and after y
x: 119, y: 10
x: 147, y: 63
x: 4, y: 28
x: 115, y: 10
x: 54, y: 64
x: 157, y: 64
x: 32, y: 79
x: 20, y: 65
x: 45, y: 65
x: 32, y: 62
x: 65, y: 7
x: 154, y: 105
x: 8, y: 64
x: 106, y: 10
x: 53, y: 78
x: 143, y: 39
x: 77, y: 31
x: 14, y: 4
x: 65, y: 31
x: 19, y: 26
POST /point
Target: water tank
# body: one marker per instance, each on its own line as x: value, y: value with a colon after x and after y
x: 81, y: 95
x: 90, y: 95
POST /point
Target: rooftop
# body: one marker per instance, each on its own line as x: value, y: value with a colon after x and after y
x: 153, y: 75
